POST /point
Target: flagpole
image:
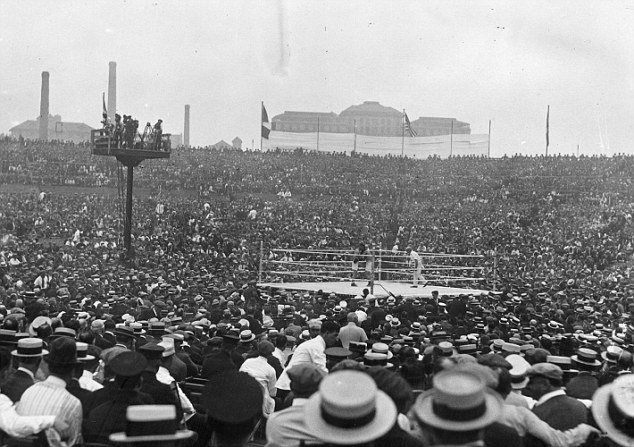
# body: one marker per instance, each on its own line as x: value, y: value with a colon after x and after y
x: 317, y: 134
x: 354, y: 149
x: 451, y: 141
x: 489, y: 142
x: 403, y: 133
x: 261, y: 108
x: 547, y: 129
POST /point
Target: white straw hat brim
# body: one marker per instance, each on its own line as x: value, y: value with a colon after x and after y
x: 600, y: 402
x: 179, y: 435
x: 383, y: 421
x: 424, y: 411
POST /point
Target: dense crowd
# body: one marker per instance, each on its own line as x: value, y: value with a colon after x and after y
x: 554, y: 240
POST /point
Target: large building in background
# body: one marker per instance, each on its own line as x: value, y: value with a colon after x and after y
x: 57, y: 130
x: 369, y: 118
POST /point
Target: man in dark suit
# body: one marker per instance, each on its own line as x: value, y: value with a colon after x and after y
x: 160, y: 392
x: 107, y: 414
x: 98, y: 329
x: 29, y: 352
x: 217, y: 360
x: 553, y: 405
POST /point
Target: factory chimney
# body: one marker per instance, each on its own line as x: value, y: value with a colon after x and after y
x: 112, y: 90
x: 186, y: 132
x: 44, y: 109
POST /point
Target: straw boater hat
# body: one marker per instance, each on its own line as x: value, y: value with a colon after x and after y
x: 457, y: 402
x: 82, y: 352
x: 246, y: 336
x: 349, y: 409
x: 613, y: 409
x: 586, y: 356
x: 518, y: 371
x: 30, y: 347
x: 382, y: 348
x: 612, y: 354
x: 151, y: 423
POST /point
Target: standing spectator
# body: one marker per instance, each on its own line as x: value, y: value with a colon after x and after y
x: 553, y: 405
x: 260, y: 370
x: 158, y: 133
x: 29, y: 353
x: 352, y: 331
x: 50, y: 396
x: 311, y: 351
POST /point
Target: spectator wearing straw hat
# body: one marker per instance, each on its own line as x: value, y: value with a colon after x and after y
x: 163, y: 375
x: 457, y: 410
x: 349, y: 409
x: 29, y: 352
x: 50, y: 397
x: 553, y: 405
x: 74, y: 387
x: 613, y: 409
x: 584, y: 384
x: 151, y: 425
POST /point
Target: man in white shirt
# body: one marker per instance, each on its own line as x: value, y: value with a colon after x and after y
x: 414, y: 261
x: 352, y: 332
x: 260, y: 370
x: 163, y: 375
x: 311, y: 351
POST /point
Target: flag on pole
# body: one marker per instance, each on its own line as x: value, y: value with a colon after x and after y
x: 266, y: 126
x: 103, y: 98
x: 408, y: 126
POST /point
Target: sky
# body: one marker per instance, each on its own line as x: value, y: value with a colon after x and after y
x: 475, y: 61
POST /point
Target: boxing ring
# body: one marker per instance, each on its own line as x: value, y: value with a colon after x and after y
x: 383, y: 272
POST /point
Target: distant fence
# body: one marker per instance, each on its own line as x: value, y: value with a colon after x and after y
x: 418, y: 147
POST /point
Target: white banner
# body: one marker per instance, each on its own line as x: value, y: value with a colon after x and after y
x: 418, y: 147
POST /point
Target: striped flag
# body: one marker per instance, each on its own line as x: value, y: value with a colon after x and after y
x: 408, y: 126
x: 266, y: 126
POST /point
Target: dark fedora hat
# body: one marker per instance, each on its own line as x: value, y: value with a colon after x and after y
x: 124, y: 331
x: 232, y: 397
x: 128, y: 364
x: 63, y: 351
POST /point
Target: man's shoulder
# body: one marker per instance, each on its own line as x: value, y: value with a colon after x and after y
x: 286, y: 413
x: 560, y: 401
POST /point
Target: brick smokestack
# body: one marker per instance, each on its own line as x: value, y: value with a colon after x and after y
x: 112, y: 90
x: 186, y: 132
x: 44, y: 107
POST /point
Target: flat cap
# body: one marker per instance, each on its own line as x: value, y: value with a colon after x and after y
x: 305, y: 378
x: 548, y: 370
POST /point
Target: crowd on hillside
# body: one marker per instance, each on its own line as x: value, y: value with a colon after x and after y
x: 553, y: 237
